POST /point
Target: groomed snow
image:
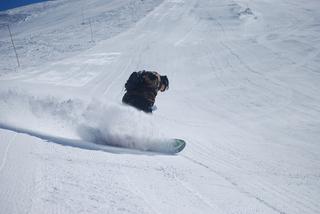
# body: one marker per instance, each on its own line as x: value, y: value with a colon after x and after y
x: 244, y: 94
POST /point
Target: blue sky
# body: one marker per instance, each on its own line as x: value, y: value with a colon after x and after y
x: 8, y: 4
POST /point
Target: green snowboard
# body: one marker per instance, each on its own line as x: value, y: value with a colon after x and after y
x: 179, y: 145
x: 170, y: 146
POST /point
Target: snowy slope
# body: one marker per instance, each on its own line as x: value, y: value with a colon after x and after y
x: 244, y: 94
x: 54, y: 30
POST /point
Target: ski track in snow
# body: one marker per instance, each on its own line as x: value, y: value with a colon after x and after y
x: 244, y: 87
x: 5, y: 155
x: 248, y: 194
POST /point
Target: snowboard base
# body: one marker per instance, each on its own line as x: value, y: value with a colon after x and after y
x: 166, y: 146
x: 179, y: 145
x: 169, y: 146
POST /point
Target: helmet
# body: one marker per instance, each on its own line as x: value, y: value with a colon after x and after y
x: 164, y: 81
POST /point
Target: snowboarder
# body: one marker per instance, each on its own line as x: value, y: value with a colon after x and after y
x: 142, y: 88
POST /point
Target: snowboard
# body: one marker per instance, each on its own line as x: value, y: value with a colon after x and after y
x: 165, y: 146
x: 169, y: 146
x: 178, y: 145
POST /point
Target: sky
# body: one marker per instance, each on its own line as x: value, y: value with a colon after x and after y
x: 8, y: 4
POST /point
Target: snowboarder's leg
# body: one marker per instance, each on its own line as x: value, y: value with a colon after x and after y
x: 137, y: 102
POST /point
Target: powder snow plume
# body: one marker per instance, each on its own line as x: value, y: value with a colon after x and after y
x: 112, y: 124
x: 118, y: 125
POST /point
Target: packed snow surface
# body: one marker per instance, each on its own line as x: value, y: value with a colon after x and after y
x: 244, y: 94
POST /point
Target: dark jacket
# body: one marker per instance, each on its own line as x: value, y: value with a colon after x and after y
x: 143, y: 95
